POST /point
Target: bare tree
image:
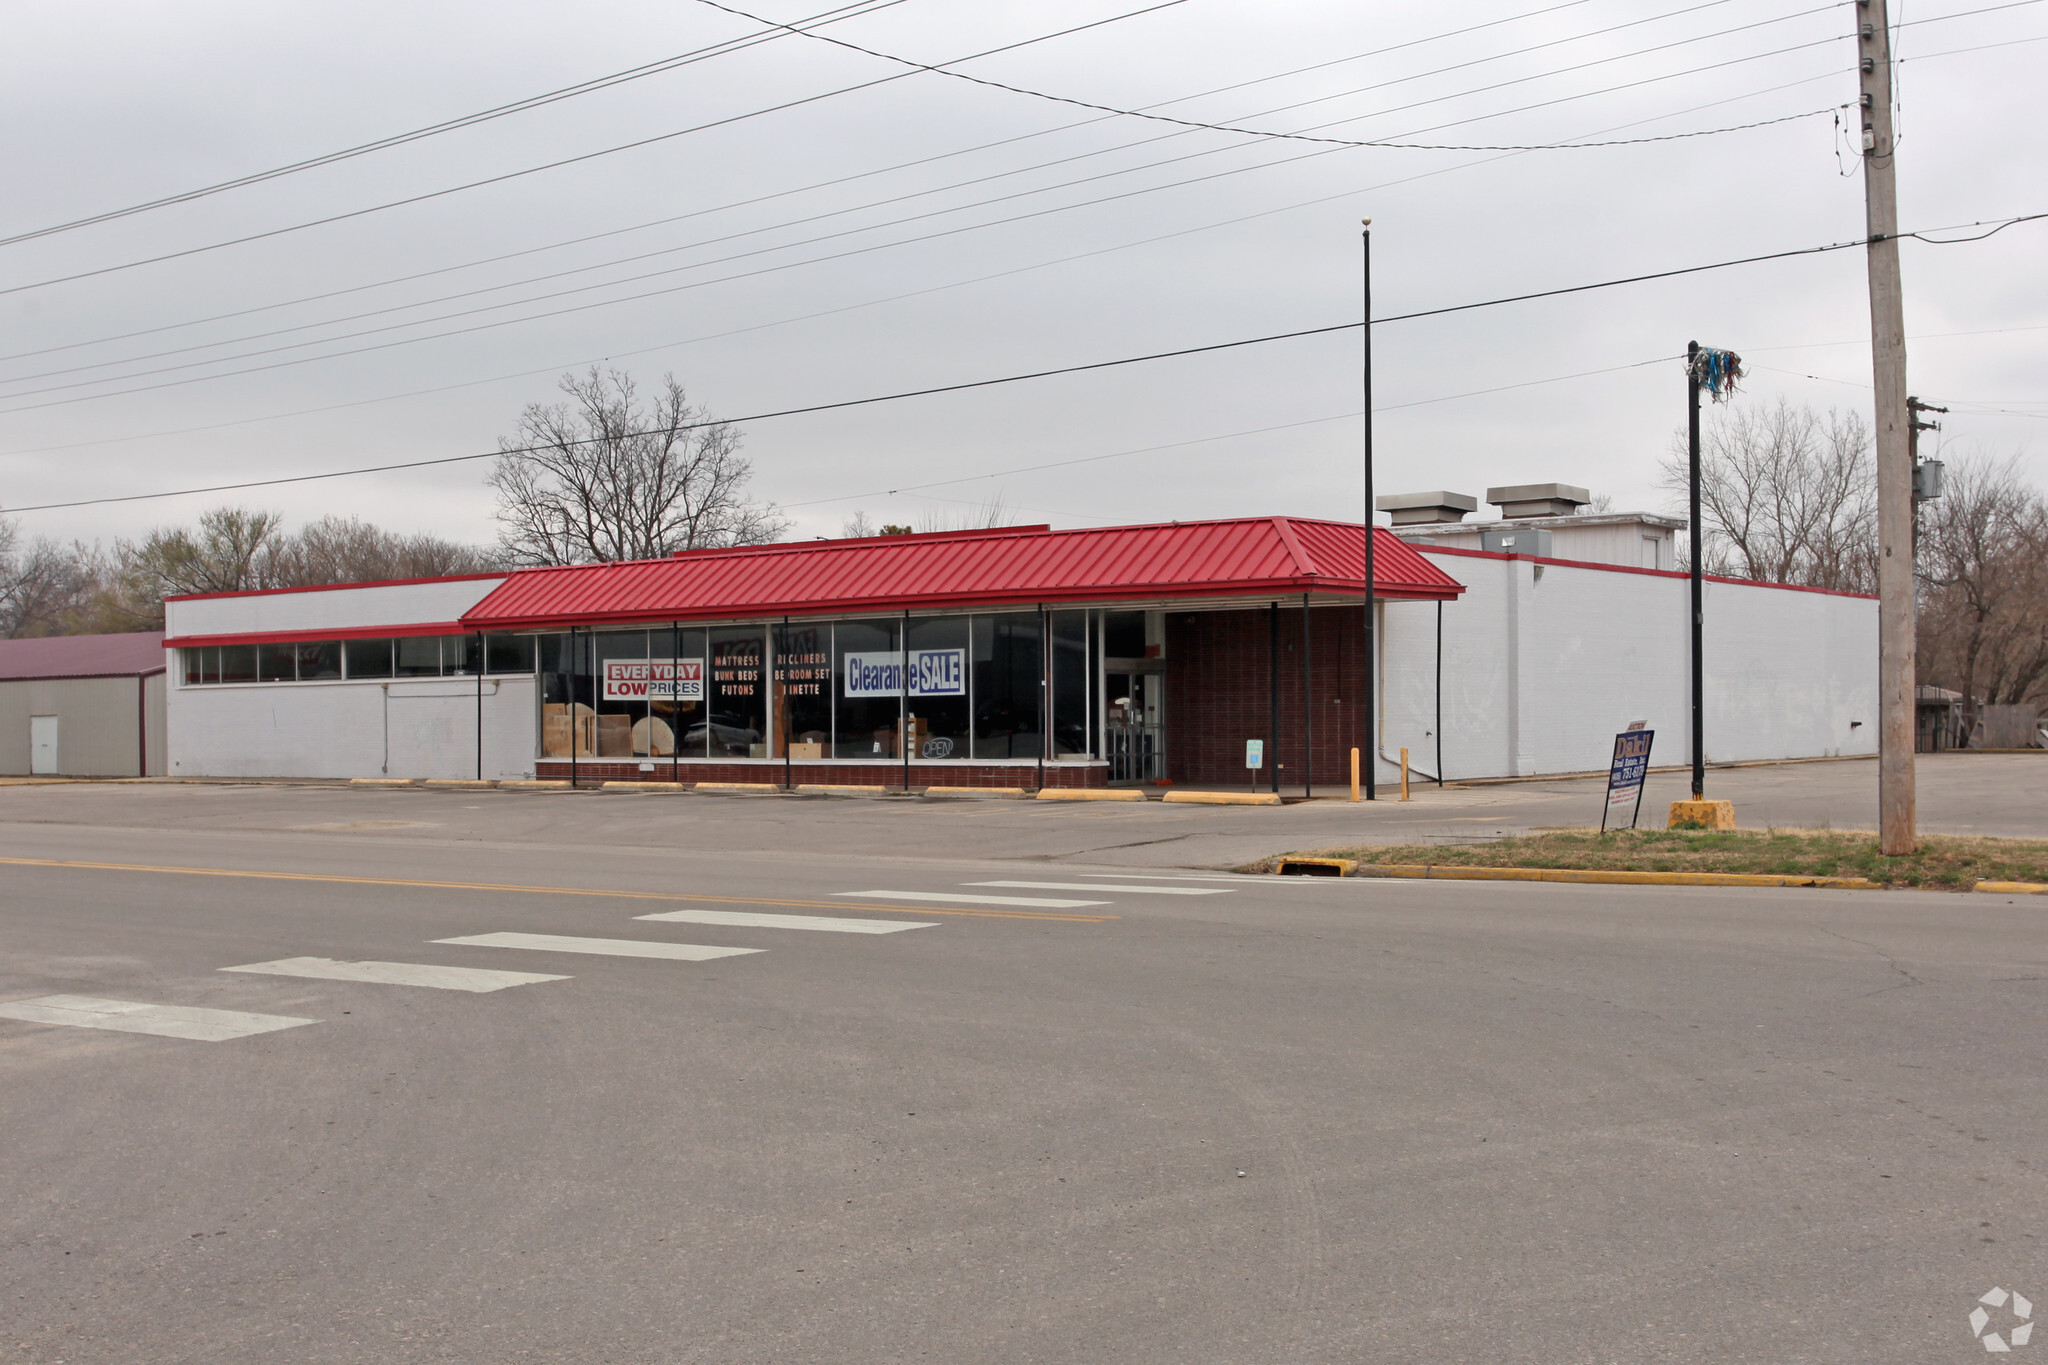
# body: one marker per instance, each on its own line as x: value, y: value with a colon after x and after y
x: 45, y: 588
x: 1786, y: 496
x: 1983, y: 569
x: 349, y: 550
x: 981, y: 516
x: 234, y: 549
x: 604, y: 477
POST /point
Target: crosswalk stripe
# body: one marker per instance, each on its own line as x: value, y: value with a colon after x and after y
x: 608, y: 947
x: 1097, y: 886
x: 131, y: 1016
x: 1043, y: 902
x: 396, y: 974
x: 1239, y: 878
x: 747, y: 919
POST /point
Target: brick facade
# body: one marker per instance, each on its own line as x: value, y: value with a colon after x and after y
x: 1219, y: 692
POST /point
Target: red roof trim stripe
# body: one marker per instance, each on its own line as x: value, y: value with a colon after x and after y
x: 1652, y: 573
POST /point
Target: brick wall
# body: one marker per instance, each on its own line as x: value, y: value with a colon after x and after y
x: 1219, y: 693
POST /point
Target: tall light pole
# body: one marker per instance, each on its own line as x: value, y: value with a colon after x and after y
x: 1372, y: 732
x: 1895, y: 647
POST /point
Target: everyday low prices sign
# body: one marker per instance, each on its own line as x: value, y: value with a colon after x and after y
x: 653, y: 680
x: 933, y: 673
x: 1625, y: 777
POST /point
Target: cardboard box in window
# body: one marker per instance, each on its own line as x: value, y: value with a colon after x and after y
x: 800, y: 749
x: 614, y: 736
x: 554, y: 731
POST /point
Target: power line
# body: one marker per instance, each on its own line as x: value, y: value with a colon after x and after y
x: 1192, y: 124
x: 768, y: 250
x: 892, y: 298
x: 922, y: 194
x: 968, y: 385
x: 818, y: 185
x: 831, y: 16
x: 565, y: 161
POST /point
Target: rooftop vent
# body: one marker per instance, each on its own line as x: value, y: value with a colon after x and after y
x: 1418, y: 509
x: 1538, y: 500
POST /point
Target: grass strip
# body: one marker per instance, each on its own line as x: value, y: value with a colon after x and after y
x: 1943, y: 862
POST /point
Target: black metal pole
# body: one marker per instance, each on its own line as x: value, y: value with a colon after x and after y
x: 1699, y: 689
x: 1273, y: 694
x: 903, y: 702
x: 675, y: 703
x: 574, y: 728
x: 1045, y: 690
x: 479, y: 706
x: 781, y: 669
x: 1308, y: 709
x: 1439, y: 692
x: 1372, y: 731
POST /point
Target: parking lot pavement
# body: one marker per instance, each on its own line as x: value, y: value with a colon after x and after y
x: 337, y: 1095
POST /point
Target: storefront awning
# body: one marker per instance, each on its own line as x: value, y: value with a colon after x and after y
x: 1019, y: 566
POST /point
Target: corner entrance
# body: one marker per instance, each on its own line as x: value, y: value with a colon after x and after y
x: 1134, y: 726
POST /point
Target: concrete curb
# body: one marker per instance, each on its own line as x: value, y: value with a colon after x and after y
x: 466, y: 784
x: 1090, y: 794
x: 1443, y: 872
x: 1315, y: 867
x: 382, y: 782
x: 631, y: 786
x: 1224, y: 798
x: 846, y: 788
x: 531, y: 784
x: 737, y: 787
x: 980, y: 793
x: 2013, y: 888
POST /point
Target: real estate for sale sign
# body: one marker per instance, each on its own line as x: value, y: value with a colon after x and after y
x: 1625, y: 777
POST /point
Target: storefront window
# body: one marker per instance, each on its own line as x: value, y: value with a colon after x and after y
x: 508, y: 653
x: 624, y: 671
x: 738, y: 724
x: 938, y: 707
x: 237, y: 663
x: 1007, y: 668
x: 565, y: 690
x: 803, y: 690
x: 459, y: 656
x: 368, y: 658
x: 276, y: 663
x: 419, y: 656
x: 1073, y: 686
x: 199, y: 663
x: 683, y: 706
x: 867, y: 688
x: 319, y: 659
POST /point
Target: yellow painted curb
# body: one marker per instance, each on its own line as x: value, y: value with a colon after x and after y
x: 460, y: 783
x: 1225, y: 798
x: 530, y: 784
x: 1339, y: 867
x: 628, y: 785
x: 382, y: 782
x: 2013, y: 888
x: 846, y: 788
x: 1090, y: 794
x: 981, y: 793
x: 1445, y: 872
x: 737, y: 787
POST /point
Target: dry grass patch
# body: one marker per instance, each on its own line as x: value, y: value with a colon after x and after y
x: 1943, y: 862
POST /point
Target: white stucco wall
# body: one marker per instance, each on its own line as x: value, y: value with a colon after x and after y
x: 1540, y: 672
x: 399, y: 728
x: 321, y: 609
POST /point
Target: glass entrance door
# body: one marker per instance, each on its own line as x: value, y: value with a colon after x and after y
x: 1134, y: 726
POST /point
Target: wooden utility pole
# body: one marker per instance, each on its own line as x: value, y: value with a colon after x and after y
x: 1896, y: 832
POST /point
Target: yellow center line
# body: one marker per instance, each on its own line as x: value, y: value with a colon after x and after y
x: 841, y: 906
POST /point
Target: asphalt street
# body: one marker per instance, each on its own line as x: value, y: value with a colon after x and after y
x: 794, y: 1081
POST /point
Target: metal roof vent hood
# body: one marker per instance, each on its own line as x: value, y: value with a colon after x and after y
x: 1538, y: 500
x: 1420, y: 509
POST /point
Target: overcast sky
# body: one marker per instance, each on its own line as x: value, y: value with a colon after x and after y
x: 927, y: 230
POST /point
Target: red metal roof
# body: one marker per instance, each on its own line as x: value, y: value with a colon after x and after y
x: 83, y: 656
x: 1017, y: 566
